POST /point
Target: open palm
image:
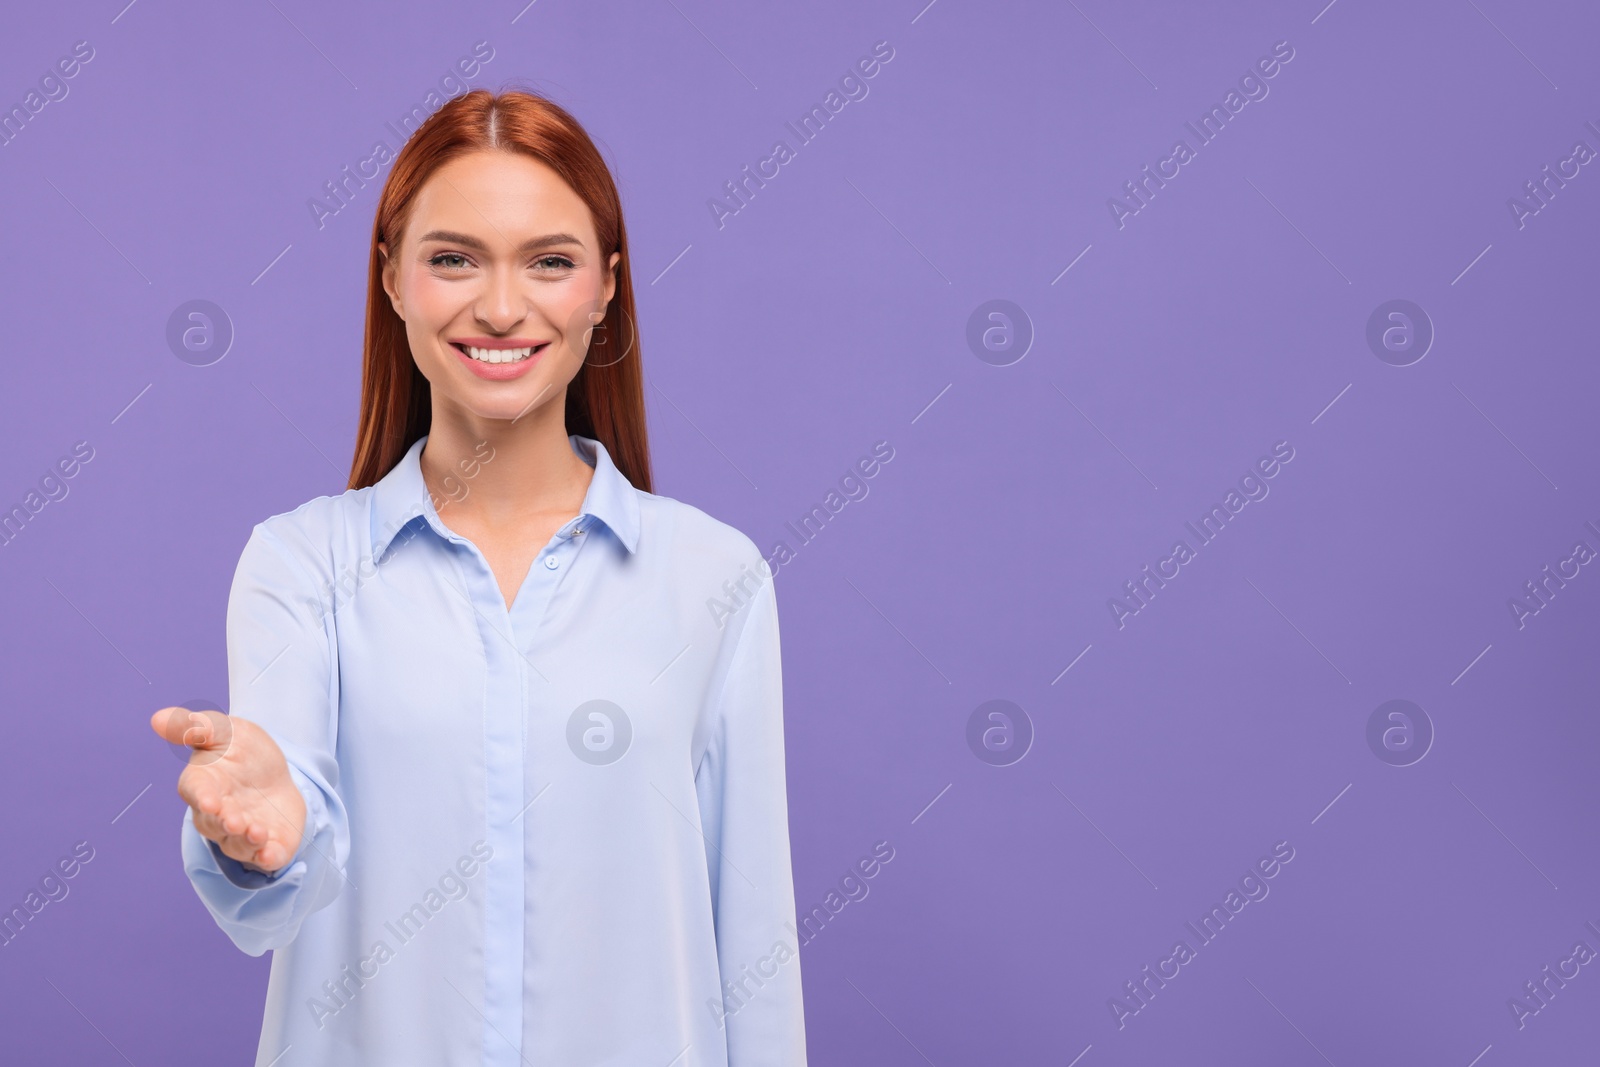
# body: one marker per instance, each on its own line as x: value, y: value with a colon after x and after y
x: 238, y: 784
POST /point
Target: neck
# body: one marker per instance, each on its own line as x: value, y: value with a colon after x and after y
x: 500, y: 472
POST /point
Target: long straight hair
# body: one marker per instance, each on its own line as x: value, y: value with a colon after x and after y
x: 605, y: 399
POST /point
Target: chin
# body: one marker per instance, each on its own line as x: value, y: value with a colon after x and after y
x: 507, y: 405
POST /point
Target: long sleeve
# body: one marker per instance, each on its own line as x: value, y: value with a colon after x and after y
x: 741, y: 785
x: 281, y: 652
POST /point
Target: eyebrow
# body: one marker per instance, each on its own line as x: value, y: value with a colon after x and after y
x: 469, y: 241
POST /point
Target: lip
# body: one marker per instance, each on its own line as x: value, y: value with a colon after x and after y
x: 496, y: 342
x: 499, y: 372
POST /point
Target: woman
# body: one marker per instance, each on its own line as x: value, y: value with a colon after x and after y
x: 503, y: 778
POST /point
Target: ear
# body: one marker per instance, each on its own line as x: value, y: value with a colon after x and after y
x: 610, y: 288
x: 387, y: 274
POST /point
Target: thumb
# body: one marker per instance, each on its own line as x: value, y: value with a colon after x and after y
x: 206, y: 730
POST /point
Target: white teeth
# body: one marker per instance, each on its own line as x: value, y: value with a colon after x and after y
x: 498, y: 355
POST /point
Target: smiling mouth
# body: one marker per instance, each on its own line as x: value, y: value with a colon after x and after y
x: 499, y: 355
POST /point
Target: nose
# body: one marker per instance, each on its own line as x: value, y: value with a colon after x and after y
x: 500, y: 306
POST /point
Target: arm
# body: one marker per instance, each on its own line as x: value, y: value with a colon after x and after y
x: 744, y: 815
x: 280, y: 677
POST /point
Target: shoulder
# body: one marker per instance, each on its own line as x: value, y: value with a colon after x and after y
x: 316, y: 539
x: 712, y: 568
x: 690, y: 538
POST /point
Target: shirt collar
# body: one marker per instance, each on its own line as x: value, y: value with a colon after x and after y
x: 400, y: 498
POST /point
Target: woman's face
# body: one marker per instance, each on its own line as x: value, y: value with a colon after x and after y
x: 500, y: 280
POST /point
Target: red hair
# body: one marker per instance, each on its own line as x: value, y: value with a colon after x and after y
x: 605, y: 400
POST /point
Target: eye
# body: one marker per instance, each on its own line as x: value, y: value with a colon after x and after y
x: 435, y: 261
x: 553, y: 262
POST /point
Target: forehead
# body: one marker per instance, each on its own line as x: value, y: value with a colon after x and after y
x: 502, y: 197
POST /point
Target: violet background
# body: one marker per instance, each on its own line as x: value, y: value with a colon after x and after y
x: 831, y: 313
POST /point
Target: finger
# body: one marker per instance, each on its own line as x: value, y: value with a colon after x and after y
x: 270, y: 856
x: 264, y: 857
x: 208, y: 827
x: 170, y: 723
x: 233, y: 849
x: 237, y: 846
x: 185, y: 726
x: 211, y: 819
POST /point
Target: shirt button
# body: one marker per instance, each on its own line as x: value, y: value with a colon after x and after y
x: 551, y: 562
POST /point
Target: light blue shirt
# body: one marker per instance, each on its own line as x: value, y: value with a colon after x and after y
x: 553, y: 836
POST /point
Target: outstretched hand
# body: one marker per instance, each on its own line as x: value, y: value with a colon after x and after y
x: 238, y: 785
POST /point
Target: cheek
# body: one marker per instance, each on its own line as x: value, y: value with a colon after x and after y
x: 431, y: 303
x: 572, y: 309
x: 572, y: 295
